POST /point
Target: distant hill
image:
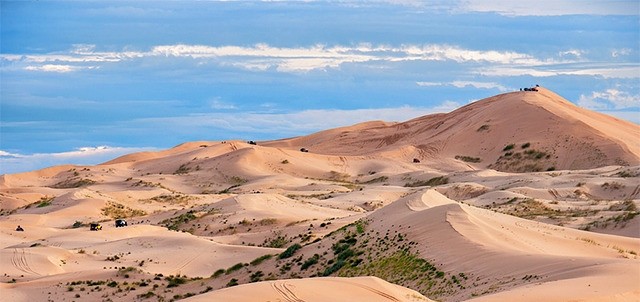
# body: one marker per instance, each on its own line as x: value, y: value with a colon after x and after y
x: 522, y: 131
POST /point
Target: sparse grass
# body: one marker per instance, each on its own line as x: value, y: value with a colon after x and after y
x: 45, y: 201
x: 260, y: 259
x: 290, y: 251
x: 468, y: 159
x: 436, y: 181
x: 377, y: 179
x: 626, y: 173
x: 337, y: 176
x: 117, y: 211
x: 508, y: 147
x: 174, y: 223
x: 73, y: 183
x: 218, y: 273
x: 172, y: 198
x: 278, y: 241
x: 310, y: 262
x: 183, y: 169
x: 175, y: 281
x: 612, y: 186
x: 234, y: 268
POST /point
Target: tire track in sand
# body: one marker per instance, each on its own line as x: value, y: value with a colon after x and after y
x: 284, y: 290
x: 376, y: 291
x: 19, y: 261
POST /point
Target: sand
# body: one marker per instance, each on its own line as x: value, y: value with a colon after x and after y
x: 212, y: 220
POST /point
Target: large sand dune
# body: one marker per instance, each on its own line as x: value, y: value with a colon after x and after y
x: 353, y: 219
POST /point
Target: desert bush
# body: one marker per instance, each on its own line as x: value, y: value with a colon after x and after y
x: 436, y: 181
x: 234, y: 268
x: 525, y: 145
x: 255, y: 277
x: 289, y: 251
x: 218, y: 273
x: 183, y: 169
x: 117, y: 211
x: 377, y: 179
x: 174, y: 223
x: 45, y: 201
x: 309, y: 262
x: 468, y: 159
x: 508, y: 147
x: 175, y: 281
x: 261, y: 259
x: 626, y: 173
x: 73, y: 183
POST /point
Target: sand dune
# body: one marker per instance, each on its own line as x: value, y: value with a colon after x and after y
x: 316, y: 289
x: 468, y: 219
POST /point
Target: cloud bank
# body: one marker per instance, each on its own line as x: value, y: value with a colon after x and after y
x: 16, y: 163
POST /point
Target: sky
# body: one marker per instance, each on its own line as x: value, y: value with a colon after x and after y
x: 83, y: 82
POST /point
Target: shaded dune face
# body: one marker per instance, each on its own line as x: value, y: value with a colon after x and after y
x: 448, y: 207
x: 556, y: 133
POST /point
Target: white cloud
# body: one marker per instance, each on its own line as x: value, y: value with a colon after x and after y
x: 621, y: 52
x: 552, y: 7
x: 52, y: 68
x: 621, y: 71
x: 264, y: 57
x: 575, y: 53
x: 15, y: 163
x: 218, y: 104
x: 609, y: 99
x: 464, y: 84
x: 285, y: 59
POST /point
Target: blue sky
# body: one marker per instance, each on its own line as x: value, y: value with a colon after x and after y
x: 85, y: 81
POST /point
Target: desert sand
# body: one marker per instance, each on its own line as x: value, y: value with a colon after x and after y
x: 518, y: 197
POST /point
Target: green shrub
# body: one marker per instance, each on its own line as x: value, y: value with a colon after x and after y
x: 45, y: 201
x: 508, y: 147
x: 289, y: 251
x: 234, y: 268
x: 525, y: 145
x: 217, y: 273
x: 468, y: 159
x: 175, y: 281
x: 436, y: 181
x: 259, y: 260
x: 309, y: 262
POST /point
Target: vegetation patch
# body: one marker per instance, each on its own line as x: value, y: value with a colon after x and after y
x: 260, y: 259
x: 183, y: 169
x: 44, y: 201
x: 174, y: 223
x: 73, y: 183
x: 116, y: 211
x: 376, y: 180
x: 508, y: 147
x: 468, y: 159
x: 436, y: 181
x: 289, y: 251
x: 172, y: 198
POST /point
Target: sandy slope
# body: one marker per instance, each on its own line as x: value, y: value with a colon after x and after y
x: 316, y: 289
x: 229, y: 204
x: 575, y: 138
